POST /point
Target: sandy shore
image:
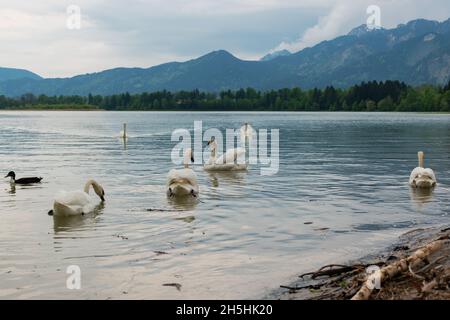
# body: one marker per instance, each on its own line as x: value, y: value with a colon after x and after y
x: 428, y: 280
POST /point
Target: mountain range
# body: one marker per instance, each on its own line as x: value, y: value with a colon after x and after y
x: 13, y: 74
x: 417, y: 53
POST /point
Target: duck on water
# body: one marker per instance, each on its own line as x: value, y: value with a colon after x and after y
x: 28, y: 180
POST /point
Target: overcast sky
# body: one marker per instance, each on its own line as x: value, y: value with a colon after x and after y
x: 34, y: 34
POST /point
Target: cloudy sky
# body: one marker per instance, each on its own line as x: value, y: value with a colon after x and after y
x: 34, y: 34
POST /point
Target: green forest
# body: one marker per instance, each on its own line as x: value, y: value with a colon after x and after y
x: 367, y: 96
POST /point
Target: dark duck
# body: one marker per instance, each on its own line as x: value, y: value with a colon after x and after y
x: 28, y: 180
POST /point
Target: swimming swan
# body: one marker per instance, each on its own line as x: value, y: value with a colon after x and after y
x: 123, y: 133
x: 77, y: 202
x: 421, y: 177
x: 226, y: 162
x: 183, y: 182
x: 246, y: 131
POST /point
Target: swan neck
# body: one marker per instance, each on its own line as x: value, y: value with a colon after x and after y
x: 213, y: 148
x: 421, y: 159
x: 187, y: 158
x: 87, y: 186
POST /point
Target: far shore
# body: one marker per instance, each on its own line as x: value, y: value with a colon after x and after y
x: 68, y: 109
x: 217, y: 111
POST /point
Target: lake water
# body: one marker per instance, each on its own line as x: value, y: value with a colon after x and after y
x: 247, y: 235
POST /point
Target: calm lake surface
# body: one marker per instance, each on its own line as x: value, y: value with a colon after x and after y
x: 344, y: 171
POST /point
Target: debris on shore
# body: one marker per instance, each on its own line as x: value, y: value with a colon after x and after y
x: 418, y: 267
x: 175, y: 285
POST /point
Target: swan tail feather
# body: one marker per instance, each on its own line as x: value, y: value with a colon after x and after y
x: 60, y: 209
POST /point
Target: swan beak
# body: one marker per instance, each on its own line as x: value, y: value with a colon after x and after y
x: 211, y: 140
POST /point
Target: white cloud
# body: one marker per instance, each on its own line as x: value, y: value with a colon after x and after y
x: 345, y: 15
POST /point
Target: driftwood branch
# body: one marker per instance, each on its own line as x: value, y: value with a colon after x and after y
x: 390, y: 271
x: 335, y: 270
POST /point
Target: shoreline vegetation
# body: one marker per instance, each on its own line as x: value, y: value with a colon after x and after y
x: 56, y: 107
x: 387, y: 96
x: 417, y: 267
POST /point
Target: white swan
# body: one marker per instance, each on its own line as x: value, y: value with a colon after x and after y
x: 246, y: 131
x: 123, y: 133
x: 183, y: 182
x: 227, y: 161
x: 77, y: 202
x: 421, y: 177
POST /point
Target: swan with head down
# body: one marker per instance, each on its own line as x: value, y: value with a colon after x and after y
x: 229, y: 161
x: 183, y: 182
x: 77, y: 202
x: 422, y: 177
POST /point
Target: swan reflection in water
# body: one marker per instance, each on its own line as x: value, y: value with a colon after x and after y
x: 421, y: 196
x: 230, y: 177
x: 74, y: 223
x: 183, y: 203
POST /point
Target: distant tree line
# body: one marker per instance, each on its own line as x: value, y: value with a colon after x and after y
x: 367, y: 96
